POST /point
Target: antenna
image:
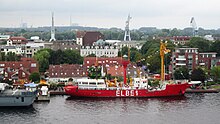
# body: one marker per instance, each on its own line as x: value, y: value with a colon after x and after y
x: 194, y: 26
x: 127, y: 36
x: 52, y: 38
x: 70, y: 20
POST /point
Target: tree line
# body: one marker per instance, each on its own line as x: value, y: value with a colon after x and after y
x: 46, y: 57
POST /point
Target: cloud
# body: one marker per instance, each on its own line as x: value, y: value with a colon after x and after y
x: 109, y: 13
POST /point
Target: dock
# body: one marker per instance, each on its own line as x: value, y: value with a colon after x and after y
x: 57, y: 92
x: 202, y: 91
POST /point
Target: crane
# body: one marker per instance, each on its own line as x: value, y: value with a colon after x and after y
x: 194, y: 26
x: 163, y: 51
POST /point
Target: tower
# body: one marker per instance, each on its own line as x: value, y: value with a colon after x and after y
x: 52, y: 37
x: 194, y: 26
x: 127, y: 36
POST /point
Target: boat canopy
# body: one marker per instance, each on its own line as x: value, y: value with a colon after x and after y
x: 31, y: 85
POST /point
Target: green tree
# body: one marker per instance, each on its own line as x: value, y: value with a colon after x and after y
x: 199, y: 43
x: 91, y: 55
x: 198, y: 74
x: 215, y: 73
x: 94, y: 72
x: 34, y: 77
x: 216, y: 47
x: 181, y: 73
x: 42, y: 56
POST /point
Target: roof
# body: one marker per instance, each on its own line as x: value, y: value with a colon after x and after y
x: 89, y: 61
x: 18, y: 38
x: 80, y: 34
x: 67, y: 70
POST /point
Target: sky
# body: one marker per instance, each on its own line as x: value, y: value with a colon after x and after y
x: 111, y: 13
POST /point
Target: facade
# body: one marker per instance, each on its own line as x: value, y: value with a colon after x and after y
x: 18, y: 50
x: 89, y: 61
x: 31, y: 48
x: 87, y: 38
x: 191, y: 58
x: 132, y: 71
x: 16, y: 41
x: 130, y: 44
x: 16, y: 70
x: 62, y: 73
x: 4, y: 37
x: 188, y: 57
x: 99, y: 51
x: 180, y: 40
x: 63, y: 45
x: 208, y: 60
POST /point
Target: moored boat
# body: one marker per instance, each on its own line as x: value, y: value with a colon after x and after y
x: 17, y: 97
x: 99, y: 88
x: 139, y: 87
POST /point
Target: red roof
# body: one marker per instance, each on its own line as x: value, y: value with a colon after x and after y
x: 18, y: 38
x: 67, y: 70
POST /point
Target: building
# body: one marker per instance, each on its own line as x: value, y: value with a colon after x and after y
x: 87, y: 38
x: 89, y: 61
x: 18, y: 50
x: 62, y: 73
x: 99, y: 51
x: 208, y: 60
x: 16, y: 41
x: 31, y: 48
x: 16, y: 70
x: 188, y: 57
x: 130, y: 44
x: 132, y: 70
x: 4, y: 37
x: 63, y: 45
x: 191, y: 58
x: 180, y: 40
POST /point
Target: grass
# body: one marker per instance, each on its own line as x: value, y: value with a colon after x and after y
x: 216, y: 86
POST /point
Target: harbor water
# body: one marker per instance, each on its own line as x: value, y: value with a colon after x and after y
x: 190, y: 109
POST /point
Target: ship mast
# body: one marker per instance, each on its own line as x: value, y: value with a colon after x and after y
x: 163, y: 51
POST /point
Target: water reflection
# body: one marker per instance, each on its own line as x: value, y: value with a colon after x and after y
x: 190, y: 109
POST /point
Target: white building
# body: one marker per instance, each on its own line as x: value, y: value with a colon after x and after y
x: 108, y: 51
x: 4, y: 37
x: 31, y: 48
x: 18, y: 50
x: 130, y: 44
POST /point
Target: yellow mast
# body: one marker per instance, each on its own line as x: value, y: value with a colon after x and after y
x: 163, y: 51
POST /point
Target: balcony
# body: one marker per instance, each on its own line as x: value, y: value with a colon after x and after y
x: 180, y: 64
x: 181, y: 58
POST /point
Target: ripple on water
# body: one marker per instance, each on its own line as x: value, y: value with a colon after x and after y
x: 193, y: 108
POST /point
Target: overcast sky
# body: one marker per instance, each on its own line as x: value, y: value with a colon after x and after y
x: 111, y: 13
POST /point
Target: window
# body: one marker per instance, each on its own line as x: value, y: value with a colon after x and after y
x: 33, y: 65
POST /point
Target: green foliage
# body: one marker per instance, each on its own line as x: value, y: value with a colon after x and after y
x: 34, y: 77
x: 42, y: 56
x: 198, y: 74
x: 65, y: 57
x: 9, y: 57
x: 215, y: 73
x: 94, y: 72
x: 91, y: 55
x: 155, y: 83
x: 215, y: 47
x: 181, y: 73
x: 198, y: 42
x: 45, y: 57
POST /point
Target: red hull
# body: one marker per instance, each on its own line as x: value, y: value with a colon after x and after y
x: 171, y: 90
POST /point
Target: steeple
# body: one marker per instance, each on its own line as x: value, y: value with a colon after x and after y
x: 52, y: 37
